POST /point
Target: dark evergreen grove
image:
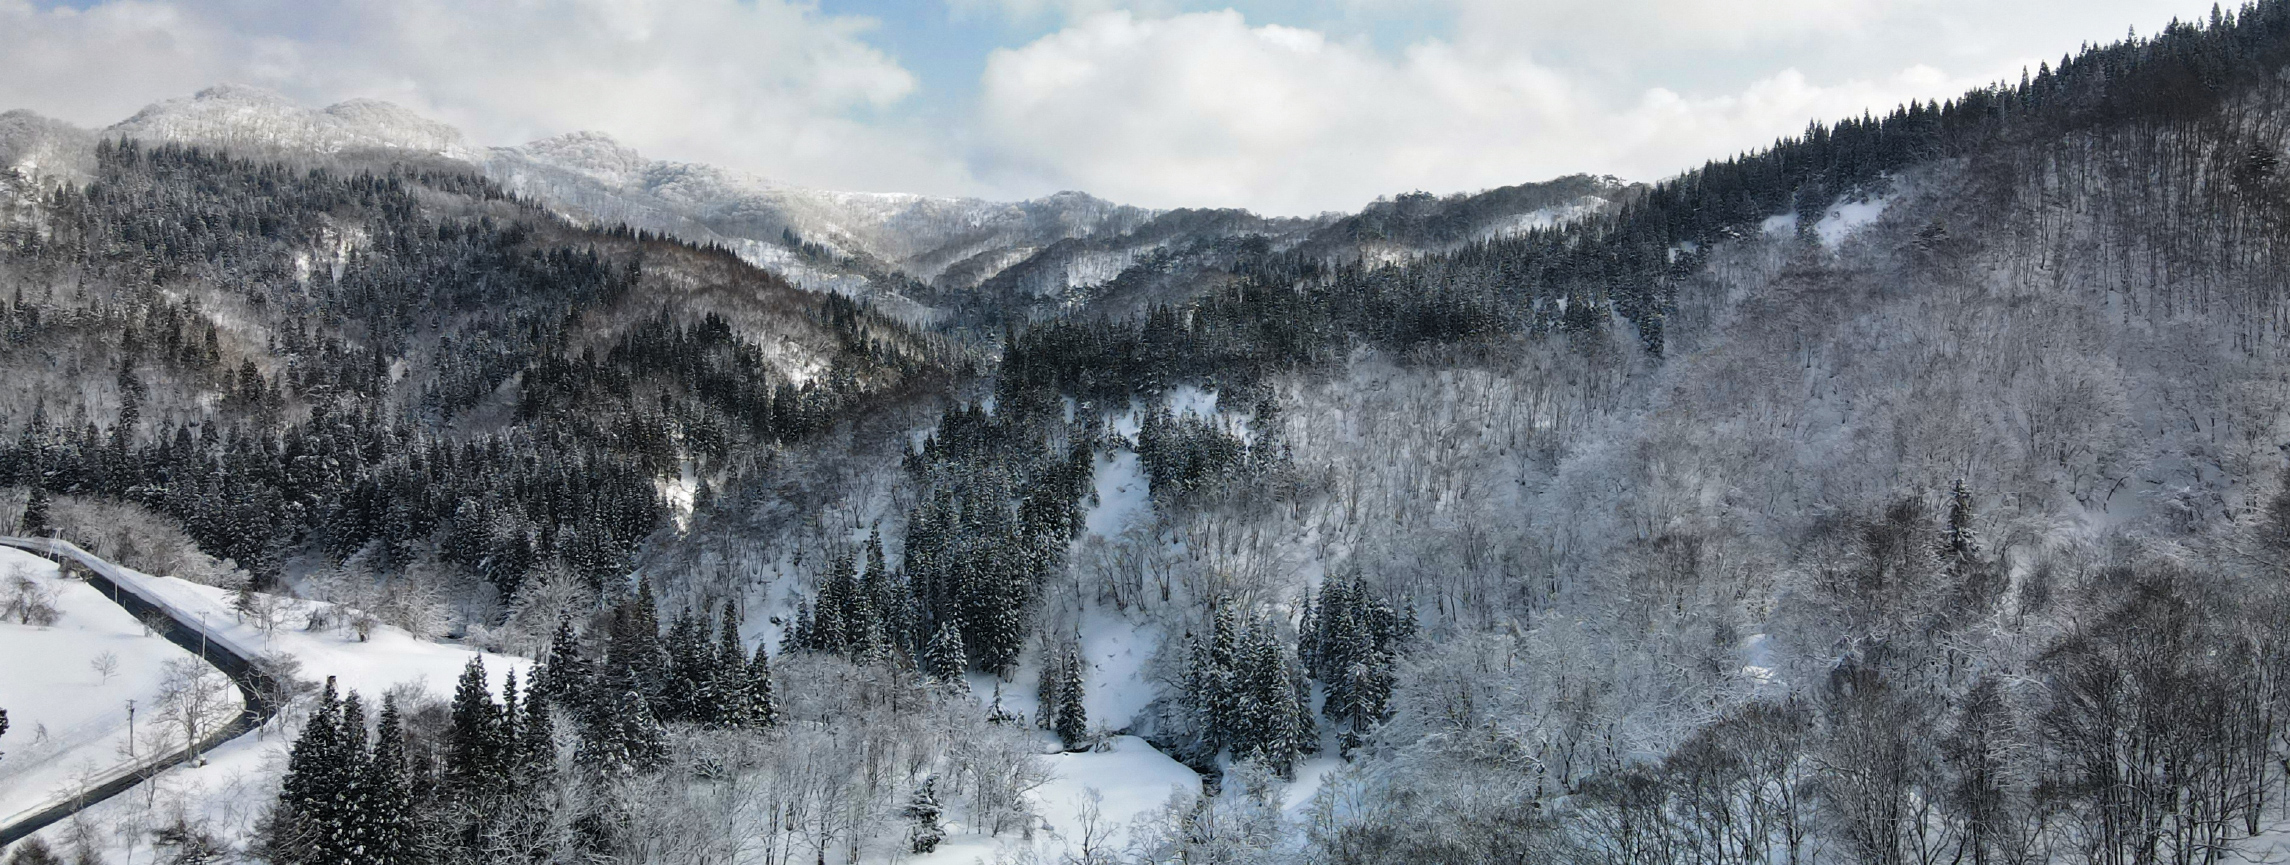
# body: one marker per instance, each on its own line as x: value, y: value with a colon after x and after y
x: 1350, y: 642
x: 344, y: 799
x: 1002, y: 496
x: 496, y: 778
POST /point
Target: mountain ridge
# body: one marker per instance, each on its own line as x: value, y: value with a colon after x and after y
x: 918, y: 256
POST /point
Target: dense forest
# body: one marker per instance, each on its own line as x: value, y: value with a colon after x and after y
x: 1704, y: 529
x: 371, y: 418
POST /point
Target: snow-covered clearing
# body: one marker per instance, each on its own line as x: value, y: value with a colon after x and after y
x: 387, y: 657
x: 1311, y: 775
x: 1836, y: 224
x: 241, y: 777
x: 67, y: 719
x: 1116, y: 650
x: 1125, y: 781
x: 1187, y: 399
x: 1847, y: 217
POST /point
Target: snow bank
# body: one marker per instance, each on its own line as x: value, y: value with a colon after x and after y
x: 240, y: 778
x: 386, y: 658
x: 67, y: 721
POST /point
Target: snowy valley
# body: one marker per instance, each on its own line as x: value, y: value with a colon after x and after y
x: 1910, y: 492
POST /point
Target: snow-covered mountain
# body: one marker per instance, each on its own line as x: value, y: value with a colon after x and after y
x: 604, y: 180
x: 1060, y: 250
x: 241, y: 117
x: 1397, y: 228
x: 593, y: 179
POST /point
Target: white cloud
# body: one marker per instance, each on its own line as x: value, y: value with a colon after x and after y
x: 1729, y: 41
x: 1205, y: 109
x: 1036, y: 10
x: 768, y: 85
x: 1136, y: 100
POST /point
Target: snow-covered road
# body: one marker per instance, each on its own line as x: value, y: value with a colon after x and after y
x: 187, y: 630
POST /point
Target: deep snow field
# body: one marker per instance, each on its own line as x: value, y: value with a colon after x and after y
x: 238, y: 779
x: 68, y: 722
x: 1129, y: 780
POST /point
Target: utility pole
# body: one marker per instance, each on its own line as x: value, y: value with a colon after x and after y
x: 131, y: 729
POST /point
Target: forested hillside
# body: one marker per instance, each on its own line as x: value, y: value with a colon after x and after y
x: 1910, y: 492
x: 400, y: 366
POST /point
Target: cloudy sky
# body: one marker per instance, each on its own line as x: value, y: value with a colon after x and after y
x: 1283, y: 106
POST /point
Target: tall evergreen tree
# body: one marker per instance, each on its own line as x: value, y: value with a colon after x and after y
x: 345, y: 824
x: 303, y: 822
x: 763, y: 704
x: 1209, y: 689
x: 508, y: 736
x: 734, y: 694
x: 799, y: 634
x: 1072, y: 724
x: 35, y: 519
x: 945, y: 661
x: 634, y: 644
x: 536, y: 755
x: 564, y: 673
x: 389, y: 819
x: 687, y: 695
x: 474, y: 763
x: 925, y: 817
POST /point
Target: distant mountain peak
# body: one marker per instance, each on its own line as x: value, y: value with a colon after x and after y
x: 238, y: 115
x: 229, y: 92
x: 592, y: 153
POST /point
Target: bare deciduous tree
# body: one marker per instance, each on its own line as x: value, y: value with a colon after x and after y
x: 194, y: 698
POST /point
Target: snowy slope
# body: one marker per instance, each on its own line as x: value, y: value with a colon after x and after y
x: 68, y: 721
x: 36, y: 146
x: 241, y: 777
x: 1122, y: 783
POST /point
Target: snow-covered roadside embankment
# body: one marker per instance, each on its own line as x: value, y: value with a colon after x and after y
x: 185, y: 630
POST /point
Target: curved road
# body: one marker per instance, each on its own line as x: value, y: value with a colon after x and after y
x: 255, y: 685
